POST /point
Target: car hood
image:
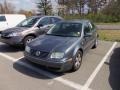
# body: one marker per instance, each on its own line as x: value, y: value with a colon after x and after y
x: 15, y: 29
x: 50, y: 43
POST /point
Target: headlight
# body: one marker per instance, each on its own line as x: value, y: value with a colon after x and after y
x: 27, y: 49
x: 57, y: 55
x: 13, y: 34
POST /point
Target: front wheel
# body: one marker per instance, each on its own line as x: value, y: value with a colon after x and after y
x: 28, y: 39
x: 77, y: 61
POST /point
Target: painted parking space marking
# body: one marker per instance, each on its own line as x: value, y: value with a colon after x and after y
x: 93, y: 75
x: 45, y: 73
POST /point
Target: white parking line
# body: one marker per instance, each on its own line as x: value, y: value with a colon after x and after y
x: 93, y: 75
x: 45, y: 73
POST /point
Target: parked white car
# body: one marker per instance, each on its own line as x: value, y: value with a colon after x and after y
x: 10, y: 20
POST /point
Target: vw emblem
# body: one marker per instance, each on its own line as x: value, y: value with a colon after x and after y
x: 38, y: 53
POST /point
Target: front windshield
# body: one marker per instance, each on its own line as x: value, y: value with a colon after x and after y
x: 29, y: 22
x: 67, y: 29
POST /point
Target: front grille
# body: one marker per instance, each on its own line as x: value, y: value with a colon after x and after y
x: 42, y: 54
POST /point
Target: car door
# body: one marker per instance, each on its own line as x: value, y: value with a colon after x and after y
x: 93, y: 33
x: 46, y: 22
x: 44, y: 25
x: 87, y: 37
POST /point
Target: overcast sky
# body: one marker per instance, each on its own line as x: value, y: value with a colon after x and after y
x: 25, y: 4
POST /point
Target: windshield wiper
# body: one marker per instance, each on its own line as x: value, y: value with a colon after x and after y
x: 62, y: 35
x: 57, y: 35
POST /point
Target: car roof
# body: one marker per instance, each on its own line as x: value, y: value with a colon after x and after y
x: 46, y: 16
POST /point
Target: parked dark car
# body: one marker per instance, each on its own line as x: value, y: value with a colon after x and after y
x: 64, y: 45
x: 28, y: 29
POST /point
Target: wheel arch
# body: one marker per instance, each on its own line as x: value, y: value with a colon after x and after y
x: 27, y: 36
x: 30, y: 35
x: 76, y: 50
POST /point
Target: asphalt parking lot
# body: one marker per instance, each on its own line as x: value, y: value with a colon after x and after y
x: 100, y: 70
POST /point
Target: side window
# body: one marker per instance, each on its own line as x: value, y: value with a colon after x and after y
x: 45, y: 21
x: 87, y: 28
x: 92, y: 26
x: 2, y: 19
x: 55, y: 20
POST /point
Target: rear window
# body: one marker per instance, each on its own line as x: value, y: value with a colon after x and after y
x: 2, y: 18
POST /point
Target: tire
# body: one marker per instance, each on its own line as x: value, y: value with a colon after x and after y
x: 77, y: 61
x: 95, y: 44
x: 28, y: 39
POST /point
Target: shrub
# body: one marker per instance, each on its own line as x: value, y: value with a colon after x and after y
x: 99, y: 18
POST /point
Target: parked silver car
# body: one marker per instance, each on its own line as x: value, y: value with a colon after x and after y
x: 28, y: 29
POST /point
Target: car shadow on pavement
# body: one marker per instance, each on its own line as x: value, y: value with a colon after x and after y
x: 6, y: 48
x: 24, y: 69
x: 114, y: 67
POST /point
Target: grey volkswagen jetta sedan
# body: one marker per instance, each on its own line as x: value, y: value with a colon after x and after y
x: 28, y: 29
x: 64, y: 45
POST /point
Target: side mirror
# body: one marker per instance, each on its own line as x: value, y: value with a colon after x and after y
x: 39, y: 25
x: 88, y: 35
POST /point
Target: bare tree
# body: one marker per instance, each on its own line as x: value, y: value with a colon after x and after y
x: 96, y: 5
x: 80, y: 6
x: 6, y: 8
x: 113, y: 9
x: 1, y: 9
x: 44, y: 6
x: 73, y: 5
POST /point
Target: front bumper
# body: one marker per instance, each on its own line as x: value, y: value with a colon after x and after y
x: 17, y: 40
x: 51, y: 64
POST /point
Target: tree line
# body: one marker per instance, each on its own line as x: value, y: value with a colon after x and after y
x: 9, y: 8
x: 97, y: 10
